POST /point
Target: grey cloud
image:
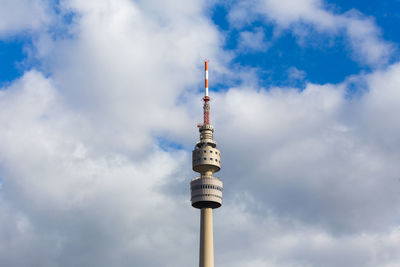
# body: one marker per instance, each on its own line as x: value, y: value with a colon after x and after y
x: 20, y: 16
x: 309, y: 155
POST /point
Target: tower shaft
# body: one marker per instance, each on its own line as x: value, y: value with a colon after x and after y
x: 206, y: 238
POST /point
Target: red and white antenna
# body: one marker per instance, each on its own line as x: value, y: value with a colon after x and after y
x: 206, y: 106
x: 206, y: 76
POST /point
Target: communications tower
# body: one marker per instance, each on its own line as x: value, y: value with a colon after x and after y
x: 206, y: 190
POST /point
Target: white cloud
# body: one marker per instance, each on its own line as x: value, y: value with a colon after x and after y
x: 364, y: 36
x: 315, y: 168
x: 286, y: 12
x: 310, y: 151
x: 22, y: 15
x: 252, y: 41
x: 294, y: 74
x: 365, y: 39
x: 67, y: 202
x: 144, y: 64
x: 378, y: 107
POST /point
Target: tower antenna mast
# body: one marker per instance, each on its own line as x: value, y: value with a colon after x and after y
x: 206, y: 98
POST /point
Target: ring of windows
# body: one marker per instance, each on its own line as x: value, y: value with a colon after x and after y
x: 206, y: 186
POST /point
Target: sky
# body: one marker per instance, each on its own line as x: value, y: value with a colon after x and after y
x: 99, y: 104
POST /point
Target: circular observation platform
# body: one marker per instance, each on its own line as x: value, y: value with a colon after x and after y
x: 206, y: 192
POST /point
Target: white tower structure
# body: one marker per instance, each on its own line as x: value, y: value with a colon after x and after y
x: 206, y: 190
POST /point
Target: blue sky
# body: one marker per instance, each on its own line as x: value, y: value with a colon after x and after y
x: 12, y: 54
x: 99, y: 105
